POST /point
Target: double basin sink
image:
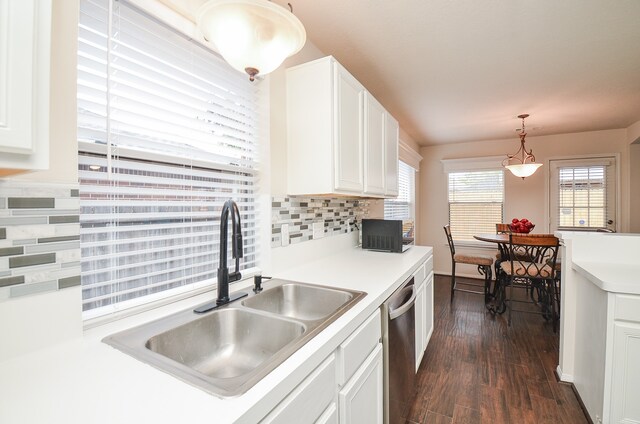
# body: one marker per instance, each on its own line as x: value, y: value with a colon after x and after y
x: 228, y: 350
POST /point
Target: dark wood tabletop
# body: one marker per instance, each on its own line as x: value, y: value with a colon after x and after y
x: 493, y: 238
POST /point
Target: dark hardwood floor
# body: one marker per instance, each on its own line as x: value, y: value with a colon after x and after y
x: 478, y: 370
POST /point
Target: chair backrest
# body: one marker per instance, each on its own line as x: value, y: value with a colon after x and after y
x: 447, y: 232
x: 534, y: 254
x: 502, y: 229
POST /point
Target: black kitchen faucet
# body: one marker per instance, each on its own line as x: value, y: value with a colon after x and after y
x: 224, y: 276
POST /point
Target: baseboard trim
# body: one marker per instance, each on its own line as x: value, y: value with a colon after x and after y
x: 564, y: 379
x: 584, y: 408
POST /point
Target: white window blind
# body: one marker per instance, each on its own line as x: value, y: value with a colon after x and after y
x: 167, y: 132
x: 583, y: 197
x: 403, y: 206
x: 476, y: 200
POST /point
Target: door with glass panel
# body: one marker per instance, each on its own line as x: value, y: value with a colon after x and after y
x: 583, y: 194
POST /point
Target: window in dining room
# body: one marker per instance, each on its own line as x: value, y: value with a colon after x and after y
x: 582, y: 195
x: 476, y: 202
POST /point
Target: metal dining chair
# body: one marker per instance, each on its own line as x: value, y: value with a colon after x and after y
x: 483, y: 262
x: 532, y: 267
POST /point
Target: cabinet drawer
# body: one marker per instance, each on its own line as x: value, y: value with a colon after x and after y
x: 307, y: 402
x: 627, y: 307
x: 357, y: 347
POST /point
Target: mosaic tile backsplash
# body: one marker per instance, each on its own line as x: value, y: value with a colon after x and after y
x: 39, y: 238
x: 338, y: 215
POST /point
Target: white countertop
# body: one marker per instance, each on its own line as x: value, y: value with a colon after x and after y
x: 86, y: 381
x: 611, y: 276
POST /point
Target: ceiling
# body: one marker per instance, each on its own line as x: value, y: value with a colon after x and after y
x: 462, y: 70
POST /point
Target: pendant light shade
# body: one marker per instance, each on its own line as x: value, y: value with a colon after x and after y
x: 253, y: 36
x: 525, y: 162
x: 523, y: 170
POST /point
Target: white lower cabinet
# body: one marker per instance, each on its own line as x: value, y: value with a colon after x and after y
x: 625, y: 382
x: 308, y: 402
x: 360, y: 399
x: 428, y: 309
x: 347, y: 387
x: 423, y: 280
x: 420, y: 324
x: 330, y: 415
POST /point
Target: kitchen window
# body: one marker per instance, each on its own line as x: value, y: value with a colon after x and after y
x: 476, y: 202
x: 582, y: 194
x: 403, y: 207
x: 167, y: 132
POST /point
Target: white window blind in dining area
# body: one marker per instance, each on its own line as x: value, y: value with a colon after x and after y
x: 476, y: 200
x: 167, y: 133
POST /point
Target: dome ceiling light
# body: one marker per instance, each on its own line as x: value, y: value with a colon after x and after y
x: 524, y: 165
x: 253, y: 36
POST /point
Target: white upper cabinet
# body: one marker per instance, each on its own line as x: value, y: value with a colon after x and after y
x: 337, y: 134
x: 392, y: 135
x: 25, y: 37
x: 374, y: 148
x: 348, y: 140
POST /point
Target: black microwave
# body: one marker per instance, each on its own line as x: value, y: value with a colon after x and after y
x: 384, y: 235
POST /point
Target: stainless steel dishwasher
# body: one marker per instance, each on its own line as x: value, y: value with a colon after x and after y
x: 399, y: 339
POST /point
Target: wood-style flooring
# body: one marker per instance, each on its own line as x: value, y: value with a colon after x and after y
x: 476, y: 369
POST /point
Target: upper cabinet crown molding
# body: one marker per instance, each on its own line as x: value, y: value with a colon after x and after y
x: 25, y: 46
x: 340, y: 139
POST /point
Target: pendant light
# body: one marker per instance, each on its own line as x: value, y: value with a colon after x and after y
x: 527, y: 161
x: 253, y: 36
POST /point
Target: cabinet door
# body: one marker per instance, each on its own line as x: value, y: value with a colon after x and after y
x: 24, y: 83
x: 392, y: 130
x: 420, y: 324
x: 625, y: 386
x: 428, y: 311
x: 309, y: 401
x: 361, y: 398
x: 329, y: 416
x: 348, y: 137
x: 374, y: 146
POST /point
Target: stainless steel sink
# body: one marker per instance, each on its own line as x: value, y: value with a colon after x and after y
x: 300, y: 301
x: 226, y: 343
x: 228, y: 350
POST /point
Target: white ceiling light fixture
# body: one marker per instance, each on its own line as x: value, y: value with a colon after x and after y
x: 253, y: 36
x: 527, y: 161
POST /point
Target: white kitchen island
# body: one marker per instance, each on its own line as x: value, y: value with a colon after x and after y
x: 600, y: 323
x: 87, y: 381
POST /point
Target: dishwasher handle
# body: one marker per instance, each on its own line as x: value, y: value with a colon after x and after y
x: 395, y: 313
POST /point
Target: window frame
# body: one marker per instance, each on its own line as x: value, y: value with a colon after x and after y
x: 586, y: 160
x: 150, y: 301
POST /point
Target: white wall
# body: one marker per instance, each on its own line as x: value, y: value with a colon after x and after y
x: 523, y: 198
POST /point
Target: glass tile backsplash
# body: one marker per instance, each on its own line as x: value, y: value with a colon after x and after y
x: 337, y: 215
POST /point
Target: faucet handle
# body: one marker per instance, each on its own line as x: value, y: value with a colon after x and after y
x: 257, y: 283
